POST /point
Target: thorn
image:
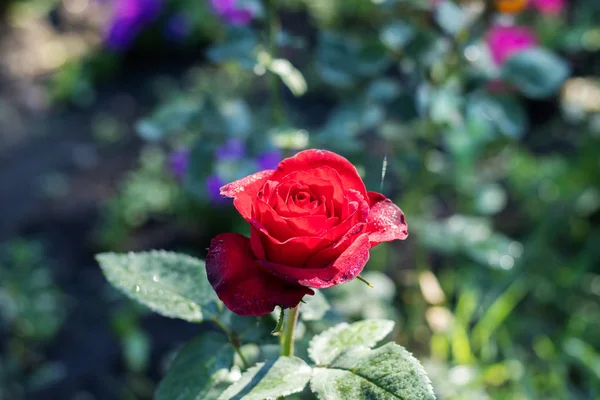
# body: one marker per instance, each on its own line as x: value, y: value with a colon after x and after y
x: 363, y: 280
x: 279, y: 325
x: 302, y: 301
x: 383, y: 171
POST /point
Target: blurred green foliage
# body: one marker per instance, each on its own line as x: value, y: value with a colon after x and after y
x: 498, y: 285
x: 32, y: 310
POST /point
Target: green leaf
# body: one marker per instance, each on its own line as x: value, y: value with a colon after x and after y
x: 504, y: 113
x: 136, y: 350
x: 536, y: 72
x: 327, y: 345
x: 315, y: 308
x: 239, y: 46
x: 389, y: 372
x: 451, y: 17
x: 199, y: 371
x: 290, y: 75
x: 397, y: 35
x: 170, y: 118
x: 584, y: 353
x: 499, y: 311
x: 173, y: 285
x: 269, y: 380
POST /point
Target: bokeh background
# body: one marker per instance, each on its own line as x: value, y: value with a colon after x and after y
x: 120, y: 119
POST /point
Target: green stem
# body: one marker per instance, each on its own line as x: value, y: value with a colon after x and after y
x: 274, y: 82
x: 234, y: 342
x: 287, y: 339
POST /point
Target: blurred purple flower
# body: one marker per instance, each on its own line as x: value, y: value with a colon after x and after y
x: 506, y: 41
x: 213, y: 188
x: 233, y: 149
x: 550, y: 7
x: 178, y: 162
x: 178, y: 27
x: 229, y: 11
x: 128, y: 20
x: 269, y: 159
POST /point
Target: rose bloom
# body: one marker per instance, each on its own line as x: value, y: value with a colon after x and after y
x: 312, y: 224
x: 511, y: 6
x: 506, y: 41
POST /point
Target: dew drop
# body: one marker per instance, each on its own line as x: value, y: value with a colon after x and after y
x: 137, y: 288
x: 155, y: 278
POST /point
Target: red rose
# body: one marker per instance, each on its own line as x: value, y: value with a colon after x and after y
x: 312, y: 225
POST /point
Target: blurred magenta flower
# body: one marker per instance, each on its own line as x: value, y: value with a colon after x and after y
x: 230, y: 12
x: 128, y: 19
x: 550, y: 7
x: 506, y: 41
x: 178, y: 162
x: 269, y: 159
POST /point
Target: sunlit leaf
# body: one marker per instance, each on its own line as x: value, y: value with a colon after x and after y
x: 173, y: 285
x: 200, y: 370
x: 269, y: 380
x: 327, y: 345
x: 389, y: 372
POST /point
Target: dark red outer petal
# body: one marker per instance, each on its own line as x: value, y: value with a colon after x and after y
x: 386, y: 220
x: 241, y: 284
x: 344, y: 269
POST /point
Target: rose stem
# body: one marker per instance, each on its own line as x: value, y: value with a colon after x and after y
x: 274, y: 28
x: 233, y: 340
x: 287, y: 340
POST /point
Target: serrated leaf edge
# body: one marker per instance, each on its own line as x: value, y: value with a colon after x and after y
x: 340, y: 327
x: 414, y: 361
x: 102, y: 257
x: 258, y: 366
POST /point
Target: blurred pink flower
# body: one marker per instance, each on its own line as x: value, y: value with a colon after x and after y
x: 550, y: 7
x: 506, y: 41
x: 230, y: 12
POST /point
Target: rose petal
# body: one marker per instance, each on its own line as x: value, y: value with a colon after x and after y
x: 277, y: 225
x: 244, y: 191
x: 320, y: 181
x: 356, y: 212
x: 311, y: 159
x: 344, y: 269
x: 293, y: 251
x: 386, y: 220
x: 310, y: 225
x: 240, y: 282
x: 333, y: 251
